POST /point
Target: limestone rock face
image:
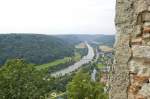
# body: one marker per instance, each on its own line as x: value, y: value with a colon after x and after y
x: 131, y: 69
x: 141, y: 51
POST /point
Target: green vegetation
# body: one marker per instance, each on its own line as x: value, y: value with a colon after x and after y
x: 34, y: 48
x: 81, y: 87
x: 82, y: 51
x: 60, y: 63
x: 99, y: 65
x: 19, y: 80
x: 41, y: 49
x: 107, y: 40
x: 60, y: 83
x: 77, y: 57
x: 102, y: 61
x: 54, y: 63
x: 95, y: 40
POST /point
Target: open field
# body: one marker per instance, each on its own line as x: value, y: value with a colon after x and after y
x: 54, y: 63
x: 59, y: 61
x: 105, y: 48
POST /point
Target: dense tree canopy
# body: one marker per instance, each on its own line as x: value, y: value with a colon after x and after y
x: 37, y: 49
x: 82, y: 87
x: 19, y: 80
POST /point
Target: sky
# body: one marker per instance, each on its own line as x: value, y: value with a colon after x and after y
x: 57, y: 16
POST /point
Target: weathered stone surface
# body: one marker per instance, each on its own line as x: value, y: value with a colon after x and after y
x: 123, y: 6
x: 139, y: 67
x: 120, y: 81
x: 145, y: 90
x: 146, y: 24
x: 146, y: 35
x: 130, y: 78
x: 136, y: 41
x: 148, y: 43
x: 146, y: 30
x: 140, y: 5
x: 141, y: 51
x: 137, y: 30
x: 146, y: 16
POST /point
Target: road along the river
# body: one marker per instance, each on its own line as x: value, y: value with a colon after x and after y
x: 86, y: 59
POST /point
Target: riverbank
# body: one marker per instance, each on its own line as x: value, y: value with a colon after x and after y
x: 86, y: 59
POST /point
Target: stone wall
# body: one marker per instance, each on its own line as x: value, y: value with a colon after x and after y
x: 131, y: 75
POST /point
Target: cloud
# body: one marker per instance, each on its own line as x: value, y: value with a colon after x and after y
x: 57, y: 16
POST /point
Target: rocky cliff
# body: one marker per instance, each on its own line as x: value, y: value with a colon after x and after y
x: 131, y: 75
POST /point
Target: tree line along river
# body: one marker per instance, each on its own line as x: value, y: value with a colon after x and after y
x: 86, y: 59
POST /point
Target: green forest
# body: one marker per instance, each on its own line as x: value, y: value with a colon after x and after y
x: 40, y: 49
x: 21, y: 80
x: 37, y: 49
x: 27, y: 62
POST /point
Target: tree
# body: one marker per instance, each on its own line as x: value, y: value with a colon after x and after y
x: 34, y: 48
x: 19, y: 80
x: 82, y: 87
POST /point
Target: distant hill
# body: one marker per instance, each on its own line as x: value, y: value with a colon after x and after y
x: 34, y: 48
x: 99, y: 39
x: 39, y: 49
x: 108, y: 40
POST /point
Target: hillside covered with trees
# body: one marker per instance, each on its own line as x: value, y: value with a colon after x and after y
x: 100, y: 39
x: 41, y: 49
x: 37, y: 49
x: 21, y: 76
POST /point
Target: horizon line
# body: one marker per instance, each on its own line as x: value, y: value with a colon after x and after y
x: 60, y: 33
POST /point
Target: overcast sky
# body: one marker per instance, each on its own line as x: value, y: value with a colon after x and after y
x: 57, y: 16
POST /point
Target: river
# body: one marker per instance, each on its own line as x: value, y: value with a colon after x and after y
x: 86, y: 59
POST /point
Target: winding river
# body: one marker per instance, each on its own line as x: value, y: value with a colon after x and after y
x: 86, y: 59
